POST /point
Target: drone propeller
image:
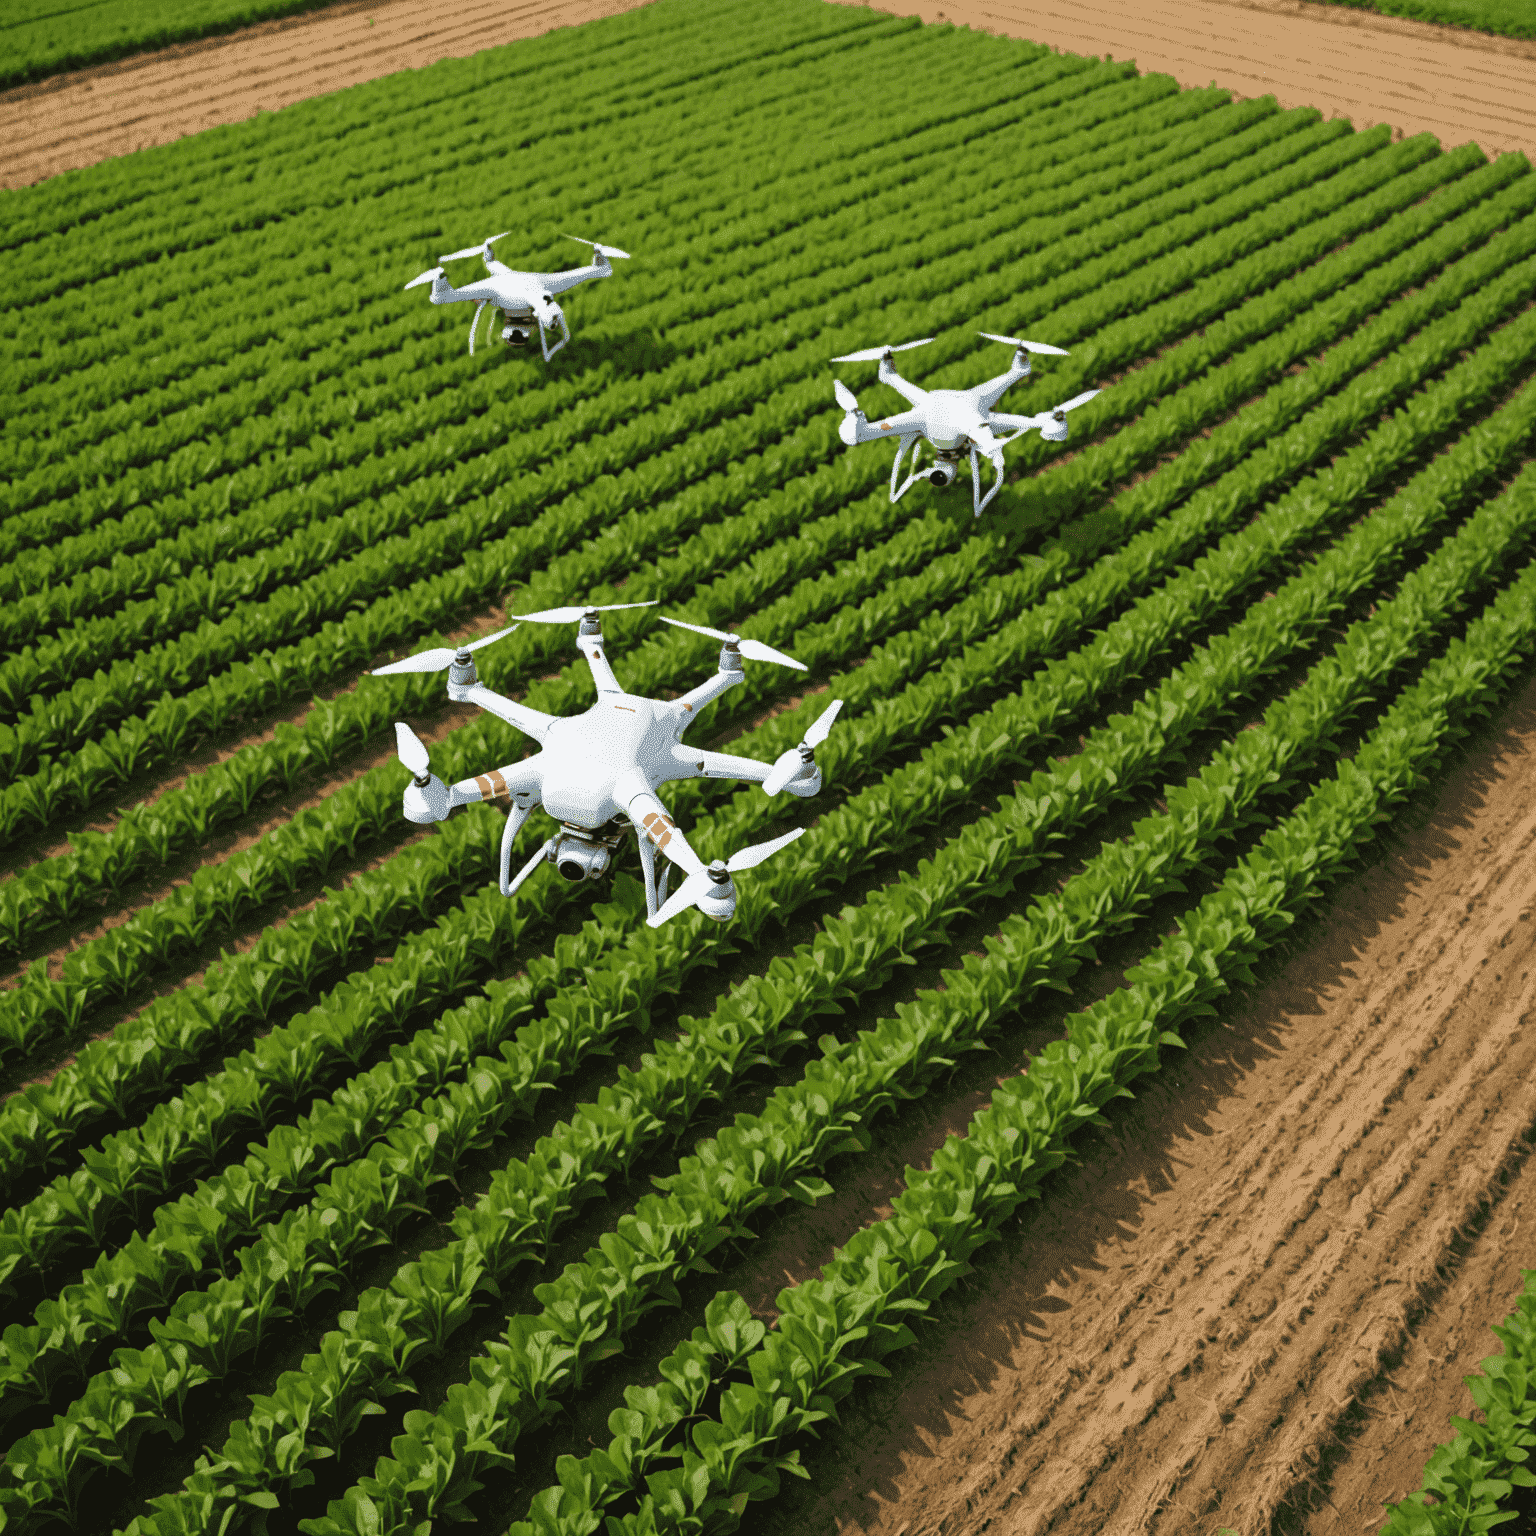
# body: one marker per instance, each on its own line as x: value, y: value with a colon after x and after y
x: 790, y: 763
x: 475, y: 250
x: 412, y: 751
x: 426, y: 277
x: 699, y: 885
x: 435, y: 660
x: 1076, y: 400
x: 427, y: 798
x: 874, y: 354
x: 570, y: 615
x: 607, y: 250
x: 753, y: 650
x: 1028, y: 346
x: 845, y: 396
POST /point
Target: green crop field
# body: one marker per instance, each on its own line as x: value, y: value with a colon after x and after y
x: 1509, y: 18
x: 332, y: 1194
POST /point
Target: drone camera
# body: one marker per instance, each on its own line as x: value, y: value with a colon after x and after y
x: 518, y: 330
x: 577, y: 858
x: 941, y: 475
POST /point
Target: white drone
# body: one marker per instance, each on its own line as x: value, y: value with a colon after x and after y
x: 953, y: 421
x: 524, y: 298
x: 597, y: 773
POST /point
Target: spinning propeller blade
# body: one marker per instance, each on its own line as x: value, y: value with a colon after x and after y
x: 412, y: 753
x: 426, y: 277
x: 873, y: 354
x: 439, y: 657
x: 699, y: 885
x: 571, y: 614
x: 475, y: 250
x: 819, y: 732
x: 607, y: 250
x: 753, y: 650
x: 1077, y: 400
x: 1029, y: 346
x: 788, y: 764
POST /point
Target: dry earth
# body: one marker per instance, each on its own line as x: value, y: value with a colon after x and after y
x: 94, y: 114
x: 1456, y: 84
x: 1284, y: 1256
x: 1371, y: 69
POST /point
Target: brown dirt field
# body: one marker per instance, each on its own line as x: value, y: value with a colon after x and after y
x: 1270, y: 1276
x: 94, y: 114
x: 1456, y: 84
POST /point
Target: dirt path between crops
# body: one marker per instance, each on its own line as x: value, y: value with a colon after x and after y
x: 1320, y: 1209
x: 1456, y: 84
x: 94, y: 114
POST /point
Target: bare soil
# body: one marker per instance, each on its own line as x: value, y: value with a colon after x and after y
x: 1372, y: 69
x: 1253, y: 1303
x: 1412, y: 75
x: 95, y: 114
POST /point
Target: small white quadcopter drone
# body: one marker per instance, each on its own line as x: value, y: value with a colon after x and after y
x: 597, y: 773
x: 524, y: 298
x: 953, y: 421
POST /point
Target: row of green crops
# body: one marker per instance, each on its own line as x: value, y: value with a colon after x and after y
x: 240, y: 466
x: 1510, y: 18
x: 1470, y: 1479
x: 44, y: 37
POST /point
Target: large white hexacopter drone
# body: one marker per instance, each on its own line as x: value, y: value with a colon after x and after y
x: 525, y: 299
x: 597, y: 773
x: 952, y: 421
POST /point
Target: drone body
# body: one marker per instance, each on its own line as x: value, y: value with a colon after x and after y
x: 598, y: 773
x: 954, y: 422
x: 525, y: 299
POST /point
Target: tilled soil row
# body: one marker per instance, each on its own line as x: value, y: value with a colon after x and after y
x: 1175, y: 1337
x: 1457, y: 84
x: 96, y: 114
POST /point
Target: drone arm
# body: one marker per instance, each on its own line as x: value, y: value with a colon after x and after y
x: 695, y: 763
x: 693, y: 701
x: 907, y: 424
x: 1018, y: 425
x: 563, y: 282
x: 520, y: 781
x: 987, y: 395
x: 654, y: 825
x: 591, y: 648
x: 910, y: 392
x: 531, y: 722
x: 443, y: 292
